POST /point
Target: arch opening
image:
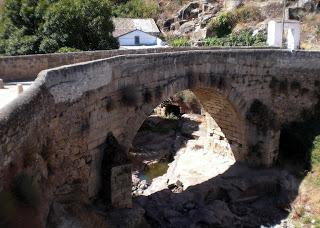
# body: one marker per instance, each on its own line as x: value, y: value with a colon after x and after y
x: 202, y: 179
x: 189, y: 138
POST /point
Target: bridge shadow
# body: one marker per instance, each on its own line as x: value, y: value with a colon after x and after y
x: 240, y: 197
x: 160, y: 137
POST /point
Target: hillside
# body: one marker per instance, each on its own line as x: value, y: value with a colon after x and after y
x: 194, y: 19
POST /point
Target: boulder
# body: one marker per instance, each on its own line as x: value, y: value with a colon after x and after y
x: 232, y: 4
x: 187, y: 27
x: 194, y: 13
x: 199, y: 34
x: 185, y: 12
x: 205, y: 19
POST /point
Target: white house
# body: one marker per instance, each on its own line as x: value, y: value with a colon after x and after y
x: 137, y: 33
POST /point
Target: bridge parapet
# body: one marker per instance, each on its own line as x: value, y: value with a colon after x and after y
x: 26, y: 68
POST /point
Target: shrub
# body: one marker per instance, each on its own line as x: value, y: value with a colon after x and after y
x: 180, y: 42
x: 222, y: 25
x: 242, y: 38
x: 19, y: 44
x: 67, y: 49
x: 48, y: 45
x: 315, y: 155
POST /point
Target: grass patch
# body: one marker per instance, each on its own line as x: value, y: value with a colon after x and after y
x: 180, y: 42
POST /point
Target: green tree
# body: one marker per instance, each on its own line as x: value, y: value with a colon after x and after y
x: 80, y: 24
x: 20, y: 26
x: 45, y: 26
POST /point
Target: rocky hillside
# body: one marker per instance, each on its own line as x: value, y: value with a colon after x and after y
x: 200, y: 19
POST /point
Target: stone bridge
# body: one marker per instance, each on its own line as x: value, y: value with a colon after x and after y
x: 72, y: 130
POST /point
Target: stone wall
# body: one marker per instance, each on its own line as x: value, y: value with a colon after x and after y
x: 26, y: 68
x: 57, y: 130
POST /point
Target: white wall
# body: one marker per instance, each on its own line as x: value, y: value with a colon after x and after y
x: 275, y: 34
x: 145, y: 39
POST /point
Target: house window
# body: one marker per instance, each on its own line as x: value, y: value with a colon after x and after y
x: 136, y: 40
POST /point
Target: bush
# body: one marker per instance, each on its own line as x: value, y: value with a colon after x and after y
x: 67, y: 50
x: 222, y: 25
x: 180, y: 42
x: 48, y: 45
x: 242, y: 38
x: 315, y: 155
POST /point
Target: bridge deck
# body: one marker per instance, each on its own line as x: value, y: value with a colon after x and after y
x: 10, y: 92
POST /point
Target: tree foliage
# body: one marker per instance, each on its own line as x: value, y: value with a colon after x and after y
x: 222, y: 25
x: 45, y: 26
x: 81, y: 24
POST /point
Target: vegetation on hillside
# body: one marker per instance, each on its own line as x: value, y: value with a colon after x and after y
x: 306, y: 208
x: 221, y: 30
x: 135, y: 8
x: 242, y: 38
x: 300, y: 153
x: 45, y: 26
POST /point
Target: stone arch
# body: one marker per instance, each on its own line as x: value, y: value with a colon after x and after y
x: 230, y: 124
x: 224, y: 104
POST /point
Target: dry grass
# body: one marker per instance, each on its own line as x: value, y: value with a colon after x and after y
x: 171, y: 7
x: 310, y: 35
